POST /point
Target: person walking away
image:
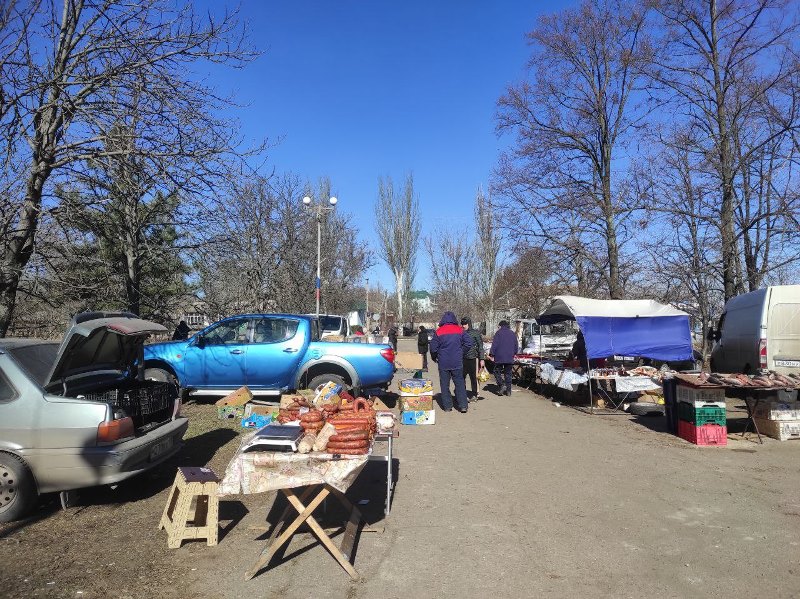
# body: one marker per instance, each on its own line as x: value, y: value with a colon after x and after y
x: 473, y: 357
x: 181, y: 331
x: 504, y: 346
x: 448, y: 346
x: 393, y: 337
x: 578, y: 351
x: 422, y: 346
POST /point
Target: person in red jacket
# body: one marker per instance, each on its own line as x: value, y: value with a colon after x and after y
x: 448, y: 346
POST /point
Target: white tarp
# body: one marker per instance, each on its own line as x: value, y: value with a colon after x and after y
x: 572, y: 306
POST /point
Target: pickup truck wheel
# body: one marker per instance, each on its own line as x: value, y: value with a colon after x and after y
x: 165, y: 376
x: 327, y: 378
x: 17, y: 489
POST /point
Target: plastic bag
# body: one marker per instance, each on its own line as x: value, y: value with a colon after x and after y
x: 483, y: 374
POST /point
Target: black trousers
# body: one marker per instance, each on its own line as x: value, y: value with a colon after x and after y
x: 471, y: 371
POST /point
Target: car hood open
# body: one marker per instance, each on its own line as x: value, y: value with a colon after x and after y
x: 100, y: 341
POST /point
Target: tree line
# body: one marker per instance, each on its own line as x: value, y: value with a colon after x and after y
x: 653, y: 149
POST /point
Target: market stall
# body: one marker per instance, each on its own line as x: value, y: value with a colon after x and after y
x: 315, y: 450
x: 640, y: 328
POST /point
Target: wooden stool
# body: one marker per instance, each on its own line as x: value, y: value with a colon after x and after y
x: 200, y: 484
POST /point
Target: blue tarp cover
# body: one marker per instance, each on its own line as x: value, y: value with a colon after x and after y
x: 661, y: 338
x: 642, y: 328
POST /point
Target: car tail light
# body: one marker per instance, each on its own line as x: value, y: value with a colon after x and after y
x: 762, y: 354
x: 388, y: 354
x: 112, y: 431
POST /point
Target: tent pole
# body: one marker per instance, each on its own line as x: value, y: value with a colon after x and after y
x: 589, y: 382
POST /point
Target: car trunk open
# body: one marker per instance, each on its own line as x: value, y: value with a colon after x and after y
x: 97, y: 360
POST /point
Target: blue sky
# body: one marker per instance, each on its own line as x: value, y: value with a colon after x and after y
x: 357, y: 90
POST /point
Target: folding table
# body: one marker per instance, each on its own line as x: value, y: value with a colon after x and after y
x: 305, y: 480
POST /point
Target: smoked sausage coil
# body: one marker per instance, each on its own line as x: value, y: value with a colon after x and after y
x: 354, y: 435
x: 361, y: 405
x: 313, y: 416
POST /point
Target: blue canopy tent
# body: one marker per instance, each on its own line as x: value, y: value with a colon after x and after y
x: 641, y: 328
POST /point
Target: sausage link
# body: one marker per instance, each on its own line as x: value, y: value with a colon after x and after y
x: 354, y: 435
x: 348, y: 444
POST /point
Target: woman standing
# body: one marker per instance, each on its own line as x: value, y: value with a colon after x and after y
x: 422, y: 346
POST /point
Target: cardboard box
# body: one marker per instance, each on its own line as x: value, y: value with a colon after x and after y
x: 419, y: 402
x: 256, y: 421
x: 232, y: 406
x: 418, y: 417
x: 416, y: 387
x: 260, y: 410
x: 408, y: 360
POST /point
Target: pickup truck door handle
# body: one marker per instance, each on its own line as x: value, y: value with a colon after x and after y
x: 237, y: 351
x: 290, y: 350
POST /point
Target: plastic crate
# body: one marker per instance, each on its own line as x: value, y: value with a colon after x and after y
x: 773, y: 409
x: 700, y: 416
x: 782, y: 430
x: 700, y: 396
x: 707, y: 434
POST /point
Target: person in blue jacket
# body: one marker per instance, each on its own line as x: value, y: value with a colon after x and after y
x: 447, y: 347
x: 504, y: 346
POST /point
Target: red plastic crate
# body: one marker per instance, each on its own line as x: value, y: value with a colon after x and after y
x: 708, y: 434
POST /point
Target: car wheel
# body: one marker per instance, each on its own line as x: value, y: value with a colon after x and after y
x: 321, y: 379
x: 17, y: 489
x: 646, y: 408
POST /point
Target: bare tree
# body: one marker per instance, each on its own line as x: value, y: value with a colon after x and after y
x: 453, y: 270
x: 488, y: 245
x: 561, y: 181
x: 261, y: 247
x: 70, y: 73
x: 398, y: 223
x: 722, y: 62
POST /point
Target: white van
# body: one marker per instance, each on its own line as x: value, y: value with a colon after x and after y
x: 331, y: 325
x: 759, y: 330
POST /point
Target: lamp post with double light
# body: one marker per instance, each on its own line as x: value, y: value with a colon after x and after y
x: 319, y: 209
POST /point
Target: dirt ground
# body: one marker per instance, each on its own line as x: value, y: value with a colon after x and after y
x: 517, y: 498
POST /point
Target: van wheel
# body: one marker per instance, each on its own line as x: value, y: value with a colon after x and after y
x: 17, y: 489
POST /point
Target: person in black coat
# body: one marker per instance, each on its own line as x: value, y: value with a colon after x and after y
x: 393, y: 337
x: 422, y: 345
x: 181, y: 331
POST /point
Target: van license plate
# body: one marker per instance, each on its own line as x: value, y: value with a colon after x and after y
x: 789, y: 363
x: 160, y: 448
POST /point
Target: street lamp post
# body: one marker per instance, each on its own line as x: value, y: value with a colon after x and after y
x: 319, y: 209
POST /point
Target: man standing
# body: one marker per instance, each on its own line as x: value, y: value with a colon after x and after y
x: 504, y: 346
x: 422, y: 345
x: 393, y: 337
x: 473, y: 357
x: 447, y: 349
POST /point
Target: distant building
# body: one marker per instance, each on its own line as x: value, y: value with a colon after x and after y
x: 421, y: 302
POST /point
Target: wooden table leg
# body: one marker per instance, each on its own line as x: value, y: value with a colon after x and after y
x: 285, y: 514
x: 349, y: 536
x: 304, y: 513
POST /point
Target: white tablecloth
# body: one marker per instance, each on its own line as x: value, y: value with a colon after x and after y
x: 564, y: 379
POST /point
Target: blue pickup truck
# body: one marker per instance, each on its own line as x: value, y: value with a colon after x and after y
x: 270, y: 353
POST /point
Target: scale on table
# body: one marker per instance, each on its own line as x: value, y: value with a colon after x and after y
x: 275, y: 437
